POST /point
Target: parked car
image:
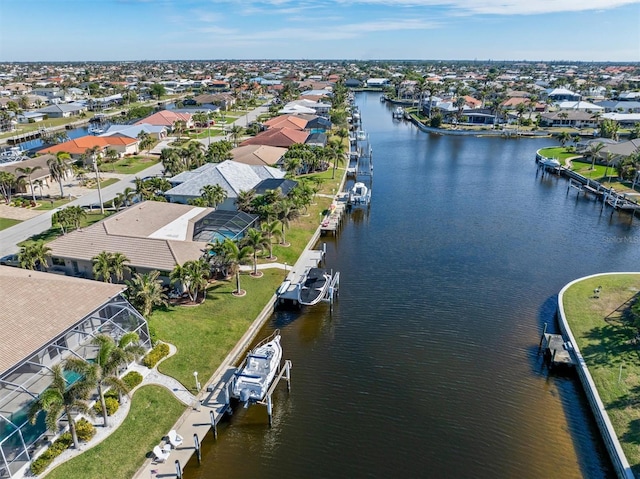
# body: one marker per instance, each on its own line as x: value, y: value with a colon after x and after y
x: 10, y: 260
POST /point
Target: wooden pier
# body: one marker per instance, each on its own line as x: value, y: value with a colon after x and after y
x: 557, y: 351
x: 332, y: 221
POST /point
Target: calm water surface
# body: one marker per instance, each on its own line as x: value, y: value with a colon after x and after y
x: 428, y: 365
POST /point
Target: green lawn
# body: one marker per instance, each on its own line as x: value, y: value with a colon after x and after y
x: 129, y: 166
x: 154, y: 410
x: 52, y: 233
x: 91, y: 184
x: 604, y: 335
x: 48, y: 205
x: 8, y: 223
x: 559, y: 152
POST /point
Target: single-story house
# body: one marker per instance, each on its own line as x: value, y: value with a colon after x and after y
x: 152, y: 235
x: 45, y: 319
x: 31, y: 117
x: 579, y: 105
x: 63, y: 110
x: 282, y: 137
x: 260, y: 155
x: 42, y: 174
x: 574, y: 118
x: 232, y: 176
x: 167, y: 118
x: 77, y: 147
x: 562, y: 94
x: 623, y: 119
x: 133, y: 131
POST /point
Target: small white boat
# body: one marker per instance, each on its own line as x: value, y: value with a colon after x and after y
x: 361, y: 135
x: 550, y: 163
x: 254, y: 376
x: 359, y: 194
x: 314, y: 287
x: 95, y: 130
x: 398, y: 113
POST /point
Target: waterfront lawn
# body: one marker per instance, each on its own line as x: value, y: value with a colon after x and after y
x: 154, y: 410
x: 560, y: 153
x: 205, y: 334
x: 8, y: 223
x: 605, y: 337
x: 130, y: 165
x: 584, y: 168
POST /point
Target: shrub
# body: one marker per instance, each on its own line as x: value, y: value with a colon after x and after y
x: 85, y: 430
x: 111, y: 403
x: 160, y: 351
x: 132, y: 379
x: 58, y: 447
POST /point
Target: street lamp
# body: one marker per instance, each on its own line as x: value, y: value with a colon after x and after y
x: 195, y: 375
x: 285, y: 270
x: 95, y: 168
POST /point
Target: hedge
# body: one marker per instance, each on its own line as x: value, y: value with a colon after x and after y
x: 85, y: 431
x: 156, y: 354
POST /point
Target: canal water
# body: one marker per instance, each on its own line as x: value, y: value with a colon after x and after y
x: 428, y: 365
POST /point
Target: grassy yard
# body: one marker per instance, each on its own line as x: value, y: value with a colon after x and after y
x: 93, y: 185
x: 559, y: 152
x: 153, y: 412
x: 129, y: 166
x: 45, y: 204
x: 52, y: 233
x: 8, y: 223
x: 605, y: 337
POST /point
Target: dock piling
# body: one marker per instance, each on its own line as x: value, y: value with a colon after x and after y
x: 214, y: 426
x: 196, y: 445
x: 544, y: 331
x: 178, y: 469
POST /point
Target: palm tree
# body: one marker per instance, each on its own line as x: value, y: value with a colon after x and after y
x: 235, y: 133
x: 287, y: 212
x: 193, y: 275
x: 102, y: 266
x: 104, y: 371
x: 244, y: 201
x: 256, y: 241
x: 34, y: 256
x: 27, y: 171
x: 609, y: 160
x: 594, y: 151
x: 271, y: 229
x: 145, y: 291
x: 60, y: 398
x: 59, y: 168
x: 118, y: 266
x: 111, y: 155
x: 7, y: 183
x: 213, y: 195
x: 236, y: 257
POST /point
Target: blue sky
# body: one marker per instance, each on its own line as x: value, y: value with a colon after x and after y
x: 77, y: 30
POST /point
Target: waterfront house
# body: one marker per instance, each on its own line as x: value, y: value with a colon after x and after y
x: 158, y: 132
x: 167, y: 119
x: 152, y: 235
x: 259, y: 155
x: 562, y: 94
x: 579, y: 105
x: 573, y: 118
x: 232, y: 176
x: 45, y: 319
x: 63, y: 110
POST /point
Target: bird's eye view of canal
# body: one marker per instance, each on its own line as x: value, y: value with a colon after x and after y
x: 428, y: 365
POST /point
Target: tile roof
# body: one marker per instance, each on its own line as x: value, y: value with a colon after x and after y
x: 287, y: 121
x: 258, y: 154
x: 282, y: 137
x: 151, y: 234
x: 37, y: 307
x: 78, y: 146
x: 234, y: 177
x: 165, y: 118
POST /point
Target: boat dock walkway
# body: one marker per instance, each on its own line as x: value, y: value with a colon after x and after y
x: 556, y: 349
x: 194, y: 426
x: 309, y: 259
x: 333, y: 219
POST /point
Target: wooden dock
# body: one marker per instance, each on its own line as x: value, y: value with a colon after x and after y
x: 332, y: 221
x: 557, y: 351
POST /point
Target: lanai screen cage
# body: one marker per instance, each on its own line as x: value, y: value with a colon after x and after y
x: 21, y: 384
x: 220, y: 225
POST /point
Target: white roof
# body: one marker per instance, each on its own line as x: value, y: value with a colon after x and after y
x: 579, y: 105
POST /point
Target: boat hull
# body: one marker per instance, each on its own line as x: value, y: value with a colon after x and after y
x: 254, y: 377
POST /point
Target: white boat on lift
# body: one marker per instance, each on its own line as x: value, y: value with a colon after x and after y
x: 361, y: 135
x: 359, y: 194
x: 398, y: 113
x: 253, y: 378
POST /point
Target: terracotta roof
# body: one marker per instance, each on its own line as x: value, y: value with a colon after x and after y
x: 78, y: 146
x: 36, y: 307
x: 165, y: 118
x: 282, y: 137
x: 287, y: 121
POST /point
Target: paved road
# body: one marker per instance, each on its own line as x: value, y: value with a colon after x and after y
x: 10, y: 237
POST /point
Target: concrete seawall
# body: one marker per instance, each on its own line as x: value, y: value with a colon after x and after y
x: 618, y: 458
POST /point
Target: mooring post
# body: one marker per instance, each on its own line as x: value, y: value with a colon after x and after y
x: 196, y: 444
x: 214, y: 427
x: 269, y: 409
x: 178, y: 469
x: 288, y: 375
x: 542, y: 337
